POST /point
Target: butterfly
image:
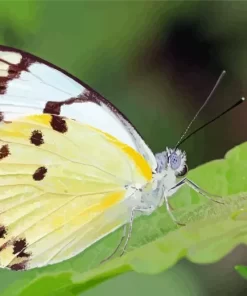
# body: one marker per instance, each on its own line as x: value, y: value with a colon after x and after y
x: 73, y: 168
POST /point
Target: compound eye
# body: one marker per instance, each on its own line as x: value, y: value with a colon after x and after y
x: 175, y: 161
x: 183, y: 172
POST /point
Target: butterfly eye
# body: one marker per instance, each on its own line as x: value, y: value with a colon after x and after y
x: 175, y: 161
x: 183, y: 172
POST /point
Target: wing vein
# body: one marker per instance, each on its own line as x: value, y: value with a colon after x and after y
x: 70, y: 160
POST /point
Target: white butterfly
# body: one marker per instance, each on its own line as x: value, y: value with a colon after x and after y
x: 73, y: 168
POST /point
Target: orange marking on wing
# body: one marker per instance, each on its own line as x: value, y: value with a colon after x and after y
x: 138, y: 159
x: 108, y: 201
x: 44, y: 119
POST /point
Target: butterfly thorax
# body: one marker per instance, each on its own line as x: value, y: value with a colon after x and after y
x: 171, y: 165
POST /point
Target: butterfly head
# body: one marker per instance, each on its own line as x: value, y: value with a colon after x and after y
x: 176, y: 160
x: 173, y: 160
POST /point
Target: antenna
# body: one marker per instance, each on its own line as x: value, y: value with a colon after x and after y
x: 212, y: 120
x: 203, y: 105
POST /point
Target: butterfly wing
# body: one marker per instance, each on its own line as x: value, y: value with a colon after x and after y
x: 30, y: 85
x: 62, y: 187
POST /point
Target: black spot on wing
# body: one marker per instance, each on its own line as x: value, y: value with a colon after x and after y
x: 1, y: 116
x: 4, y: 151
x: 19, y: 266
x: 19, y: 247
x: 3, y: 231
x: 52, y: 107
x: 37, y: 138
x: 59, y: 124
x: 40, y: 173
x: 3, y: 87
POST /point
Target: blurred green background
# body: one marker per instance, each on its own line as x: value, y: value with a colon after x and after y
x: 157, y: 62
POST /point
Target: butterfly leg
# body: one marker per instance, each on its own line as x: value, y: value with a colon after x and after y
x: 132, y: 216
x: 118, y: 246
x: 170, y: 206
x: 169, y: 210
x: 198, y: 190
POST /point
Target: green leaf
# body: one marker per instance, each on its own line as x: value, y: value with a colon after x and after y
x: 242, y: 270
x: 212, y: 230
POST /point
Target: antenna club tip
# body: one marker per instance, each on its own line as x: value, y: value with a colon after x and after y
x: 243, y: 99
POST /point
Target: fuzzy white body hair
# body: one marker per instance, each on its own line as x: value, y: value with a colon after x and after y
x: 165, y: 178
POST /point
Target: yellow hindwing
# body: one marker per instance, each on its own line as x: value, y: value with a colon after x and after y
x: 62, y: 187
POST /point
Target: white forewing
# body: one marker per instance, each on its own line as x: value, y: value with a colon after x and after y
x: 99, y: 117
x: 39, y: 84
x: 62, y: 86
x: 30, y: 85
